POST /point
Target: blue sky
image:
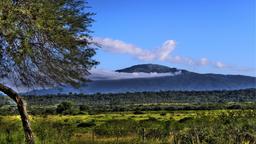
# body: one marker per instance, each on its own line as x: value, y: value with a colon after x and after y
x: 206, y: 36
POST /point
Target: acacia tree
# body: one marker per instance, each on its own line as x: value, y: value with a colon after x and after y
x: 43, y: 43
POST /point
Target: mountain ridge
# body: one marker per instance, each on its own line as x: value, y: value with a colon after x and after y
x: 184, y: 81
x: 149, y: 68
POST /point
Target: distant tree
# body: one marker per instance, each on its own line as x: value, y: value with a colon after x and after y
x: 43, y: 43
x: 84, y: 108
x: 65, y: 107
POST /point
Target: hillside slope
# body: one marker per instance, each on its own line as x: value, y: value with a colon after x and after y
x: 185, y: 80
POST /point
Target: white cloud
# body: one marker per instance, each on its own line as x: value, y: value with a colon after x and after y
x: 118, y: 46
x: 219, y: 64
x: 204, y: 61
x: 101, y: 74
x: 166, y: 49
x: 163, y: 53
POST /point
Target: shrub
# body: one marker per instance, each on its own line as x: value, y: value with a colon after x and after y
x: 86, y: 124
x: 163, y: 114
x: 65, y: 107
x: 84, y: 108
x: 138, y: 112
x: 116, y: 128
x: 183, y: 120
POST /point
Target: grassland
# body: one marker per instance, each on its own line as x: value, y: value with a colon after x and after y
x: 151, y: 127
x: 207, y: 117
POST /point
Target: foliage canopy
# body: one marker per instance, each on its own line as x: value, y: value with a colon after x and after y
x: 45, y: 42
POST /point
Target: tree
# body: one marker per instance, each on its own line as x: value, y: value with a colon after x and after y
x: 43, y: 43
x: 65, y: 107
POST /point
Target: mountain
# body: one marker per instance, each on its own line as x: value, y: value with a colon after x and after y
x: 149, y: 68
x: 174, y: 79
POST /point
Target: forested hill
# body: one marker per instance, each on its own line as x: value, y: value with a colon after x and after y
x: 170, y: 79
x: 150, y: 68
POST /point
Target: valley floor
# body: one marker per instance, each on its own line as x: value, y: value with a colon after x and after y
x: 150, y: 127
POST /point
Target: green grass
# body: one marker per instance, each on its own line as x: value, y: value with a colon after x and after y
x: 215, y: 126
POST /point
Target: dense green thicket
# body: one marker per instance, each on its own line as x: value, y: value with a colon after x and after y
x: 137, y: 102
x: 184, y: 127
x: 195, y: 97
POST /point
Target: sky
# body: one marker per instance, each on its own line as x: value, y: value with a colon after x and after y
x: 205, y: 36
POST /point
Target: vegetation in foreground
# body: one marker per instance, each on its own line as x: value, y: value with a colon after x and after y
x: 204, y: 127
x: 213, y: 117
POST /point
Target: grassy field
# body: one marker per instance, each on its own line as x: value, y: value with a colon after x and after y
x: 153, y: 127
x: 207, y: 117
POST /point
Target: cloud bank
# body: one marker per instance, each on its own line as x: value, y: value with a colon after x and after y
x: 101, y: 74
x: 163, y: 53
x: 118, y: 46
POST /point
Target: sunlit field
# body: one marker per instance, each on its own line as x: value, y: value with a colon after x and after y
x: 215, y: 126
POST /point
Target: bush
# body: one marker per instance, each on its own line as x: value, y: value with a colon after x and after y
x: 138, y: 112
x: 86, y: 124
x: 65, y: 107
x: 84, y: 108
x: 163, y: 114
x: 116, y: 128
x: 183, y: 120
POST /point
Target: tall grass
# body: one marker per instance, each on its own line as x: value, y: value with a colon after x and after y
x: 184, y: 127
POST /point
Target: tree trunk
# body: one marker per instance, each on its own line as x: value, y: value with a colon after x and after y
x: 22, y: 111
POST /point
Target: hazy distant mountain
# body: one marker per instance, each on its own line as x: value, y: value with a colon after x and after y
x: 175, y: 79
x: 149, y: 68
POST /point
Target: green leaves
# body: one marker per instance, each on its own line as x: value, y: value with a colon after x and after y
x: 43, y: 41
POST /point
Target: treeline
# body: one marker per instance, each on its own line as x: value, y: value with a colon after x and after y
x: 192, y: 97
x: 136, y: 102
